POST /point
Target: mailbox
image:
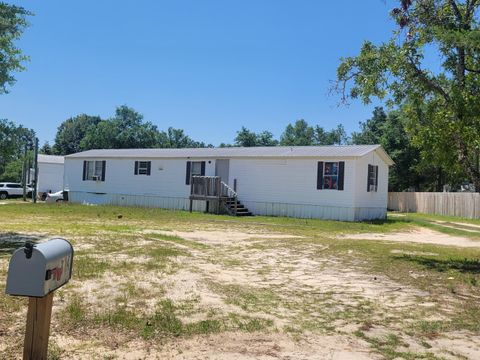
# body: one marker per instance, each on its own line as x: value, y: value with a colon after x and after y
x: 35, y: 270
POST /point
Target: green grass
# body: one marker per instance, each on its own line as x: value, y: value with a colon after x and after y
x: 113, y: 240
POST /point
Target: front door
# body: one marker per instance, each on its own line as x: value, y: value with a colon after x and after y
x: 222, y: 167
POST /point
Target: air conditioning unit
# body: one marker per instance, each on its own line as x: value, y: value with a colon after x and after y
x: 96, y: 177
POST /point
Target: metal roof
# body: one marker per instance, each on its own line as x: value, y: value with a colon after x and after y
x: 51, y: 159
x: 240, y: 152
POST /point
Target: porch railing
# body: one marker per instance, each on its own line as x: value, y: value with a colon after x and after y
x: 210, y: 186
x: 213, y: 188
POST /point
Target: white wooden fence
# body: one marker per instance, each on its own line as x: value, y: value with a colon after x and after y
x: 465, y: 205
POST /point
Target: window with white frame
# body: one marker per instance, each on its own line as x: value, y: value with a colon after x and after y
x: 194, y: 168
x: 330, y: 176
x: 372, y: 181
x: 143, y: 167
x: 94, y: 170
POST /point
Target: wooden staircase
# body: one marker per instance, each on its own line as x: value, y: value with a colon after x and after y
x: 235, y: 208
x: 213, y: 189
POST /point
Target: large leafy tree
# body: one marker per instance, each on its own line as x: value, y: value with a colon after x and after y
x: 12, y: 24
x: 302, y: 134
x: 247, y: 138
x: 176, y: 138
x: 337, y: 136
x: 298, y: 134
x: 125, y: 130
x: 441, y: 100
x: 12, y: 142
x: 389, y: 131
x: 71, y: 132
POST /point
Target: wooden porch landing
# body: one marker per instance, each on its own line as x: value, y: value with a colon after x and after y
x: 213, y: 189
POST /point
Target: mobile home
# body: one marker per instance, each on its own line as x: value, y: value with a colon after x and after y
x: 329, y: 182
x: 50, y: 173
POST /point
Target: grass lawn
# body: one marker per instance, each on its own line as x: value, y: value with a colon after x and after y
x: 152, y: 283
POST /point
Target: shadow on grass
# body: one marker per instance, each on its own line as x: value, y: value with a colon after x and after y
x: 389, y: 221
x: 471, y: 266
x: 11, y: 241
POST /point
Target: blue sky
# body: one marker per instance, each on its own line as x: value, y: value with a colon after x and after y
x: 208, y: 66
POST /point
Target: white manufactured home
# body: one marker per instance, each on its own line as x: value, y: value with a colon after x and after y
x: 50, y: 173
x: 328, y: 182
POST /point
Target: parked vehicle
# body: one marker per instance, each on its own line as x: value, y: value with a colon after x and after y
x: 54, y: 197
x: 9, y: 190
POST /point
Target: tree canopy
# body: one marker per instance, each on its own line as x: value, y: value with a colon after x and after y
x: 12, y: 141
x: 71, y: 132
x: 388, y: 130
x: 302, y: 134
x: 12, y: 24
x: 247, y: 138
x: 125, y: 130
x: 441, y: 101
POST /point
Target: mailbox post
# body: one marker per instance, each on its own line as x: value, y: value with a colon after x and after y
x: 36, y: 271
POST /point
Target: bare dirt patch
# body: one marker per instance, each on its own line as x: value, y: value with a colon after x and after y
x: 418, y: 235
x: 227, y: 237
x: 253, y: 293
x: 230, y: 346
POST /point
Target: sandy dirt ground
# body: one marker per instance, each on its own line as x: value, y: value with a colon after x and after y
x: 307, y: 288
x: 420, y: 236
x: 316, y: 303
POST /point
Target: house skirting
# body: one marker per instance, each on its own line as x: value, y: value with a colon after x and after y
x: 311, y: 211
x: 306, y: 211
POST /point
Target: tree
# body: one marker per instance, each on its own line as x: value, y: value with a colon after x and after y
x: 302, y: 134
x: 298, y: 134
x: 441, y: 101
x: 372, y: 130
x: 245, y: 138
x: 176, y: 138
x: 12, y: 24
x: 125, y: 130
x: 46, y: 149
x: 336, y: 136
x: 13, y: 139
x: 71, y: 132
x: 389, y: 131
x: 265, y: 138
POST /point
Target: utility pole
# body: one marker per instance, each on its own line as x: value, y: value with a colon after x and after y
x: 24, y: 173
x: 35, y: 166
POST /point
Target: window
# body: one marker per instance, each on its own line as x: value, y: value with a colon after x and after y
x: 94, y: 170
x: 372, y: 179
x: 330, y: 175
x: 194, y: 168
x: 143, y: 167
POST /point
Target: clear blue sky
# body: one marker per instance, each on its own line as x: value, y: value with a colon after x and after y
x: 206, y: 66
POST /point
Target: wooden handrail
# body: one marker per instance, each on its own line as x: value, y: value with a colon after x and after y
x: 210, y: 186
x: 228, y: 191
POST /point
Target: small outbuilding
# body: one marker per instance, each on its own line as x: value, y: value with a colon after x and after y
x: 328, y: 182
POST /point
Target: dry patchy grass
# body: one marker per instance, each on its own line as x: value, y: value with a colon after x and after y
x: 156, y: 283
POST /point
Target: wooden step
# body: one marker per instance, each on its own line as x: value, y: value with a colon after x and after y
x: 241, y: 210
x: 248, y: 213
